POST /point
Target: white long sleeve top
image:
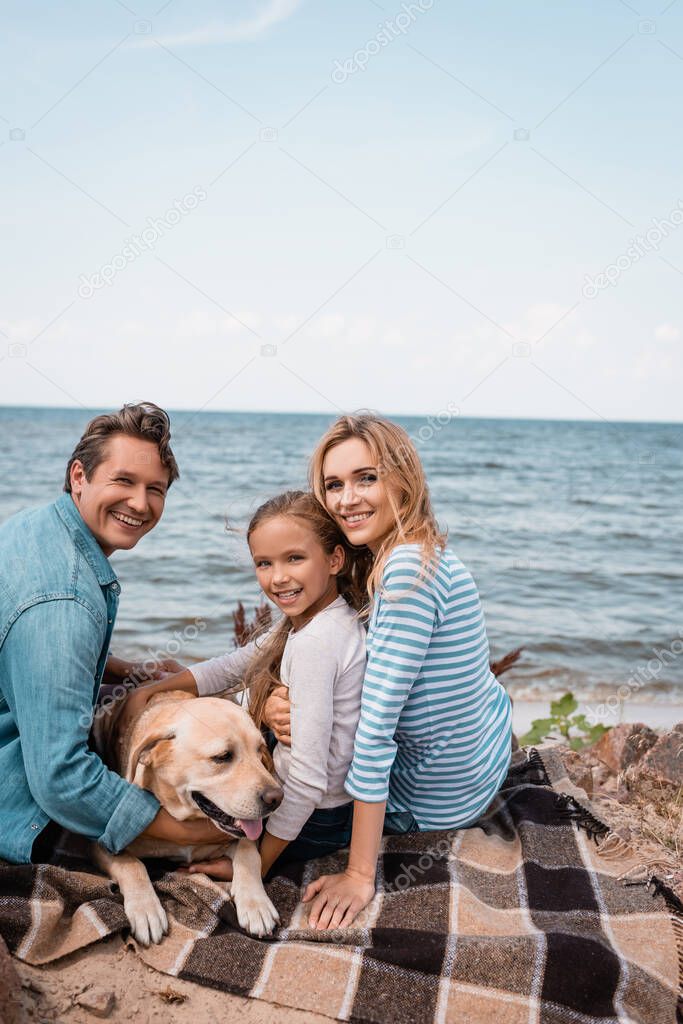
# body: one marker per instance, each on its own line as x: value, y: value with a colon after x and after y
x: 323, y: 666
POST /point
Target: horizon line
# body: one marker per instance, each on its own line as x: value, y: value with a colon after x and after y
x: 400, y: 415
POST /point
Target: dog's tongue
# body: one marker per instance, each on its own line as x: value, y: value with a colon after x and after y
x: 252, y: 829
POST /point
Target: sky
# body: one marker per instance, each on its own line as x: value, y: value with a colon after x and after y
x: 301, y: 205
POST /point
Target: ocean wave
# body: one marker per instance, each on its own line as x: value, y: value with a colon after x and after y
x: 588, y: 584
x: 586, y: 691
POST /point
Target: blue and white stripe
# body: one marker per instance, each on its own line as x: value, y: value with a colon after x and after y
x: 434, y: 736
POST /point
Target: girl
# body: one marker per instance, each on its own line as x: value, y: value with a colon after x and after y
x: 434, y: 739
x: 317, y: 651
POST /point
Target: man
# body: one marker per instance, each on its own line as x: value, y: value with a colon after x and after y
x: 58, y: 602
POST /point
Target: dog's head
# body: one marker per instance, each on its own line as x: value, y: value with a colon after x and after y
x: 204, y: 756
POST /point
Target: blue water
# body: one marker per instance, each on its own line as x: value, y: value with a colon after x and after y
x: 572, y: 531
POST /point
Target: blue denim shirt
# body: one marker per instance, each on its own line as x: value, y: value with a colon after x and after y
x: 58, y: 602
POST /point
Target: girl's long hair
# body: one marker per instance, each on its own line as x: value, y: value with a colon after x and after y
x: 399, y: 467
x: 263, y: 673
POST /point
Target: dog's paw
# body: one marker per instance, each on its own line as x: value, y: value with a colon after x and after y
x: 146, y: 916
x: 256, y: 914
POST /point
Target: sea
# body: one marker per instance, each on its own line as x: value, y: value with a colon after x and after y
x: 573, y: 532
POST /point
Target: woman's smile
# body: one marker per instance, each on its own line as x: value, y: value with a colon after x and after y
x: 356, y: 496
x: 354, y: 519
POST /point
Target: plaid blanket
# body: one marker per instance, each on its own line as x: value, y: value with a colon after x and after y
x: 521, y: 918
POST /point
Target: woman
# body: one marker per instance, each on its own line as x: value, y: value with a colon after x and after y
x: 433, y: 742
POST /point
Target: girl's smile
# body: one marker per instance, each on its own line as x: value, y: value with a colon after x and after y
x: 287, y: 598
x: 292, y: 568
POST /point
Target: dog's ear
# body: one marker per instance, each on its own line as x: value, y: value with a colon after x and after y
x: 144, y: 751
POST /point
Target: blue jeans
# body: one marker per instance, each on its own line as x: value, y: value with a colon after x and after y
x: 398, y: 823
x: 327, y: 830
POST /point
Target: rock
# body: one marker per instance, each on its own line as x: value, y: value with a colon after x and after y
x: 624, y: 745
x: 664, y: 760
x: 601, y: 775
x: 578, y: 769
x: 10, y: 989
x: 609, y: 787
x: 585, y: 781
x: 98, y: 1001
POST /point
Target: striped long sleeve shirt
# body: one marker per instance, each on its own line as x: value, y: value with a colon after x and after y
x: 434, y: 736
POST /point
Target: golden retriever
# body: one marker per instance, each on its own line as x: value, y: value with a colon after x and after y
x: 200, y: 757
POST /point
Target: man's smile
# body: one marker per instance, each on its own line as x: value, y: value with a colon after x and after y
x: 127, y: 520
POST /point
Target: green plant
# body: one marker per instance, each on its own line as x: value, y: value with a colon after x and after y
x: 564, y: 724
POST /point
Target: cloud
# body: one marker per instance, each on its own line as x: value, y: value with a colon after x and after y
x: 667, y: 332
x: 649, y: 365
x: 203, y: 324
x: 266, y: 14
x: 355, y: 330
x: 584, y: 339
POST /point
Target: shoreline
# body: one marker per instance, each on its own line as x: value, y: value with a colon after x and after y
x: 656, y: 715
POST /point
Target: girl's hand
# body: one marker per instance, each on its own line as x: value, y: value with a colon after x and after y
x: 137, y: 699
x: 150, y: 672
x: 117, y: 670
x: 339, y: 899
x: 276, y: 715
x: 221, y: 868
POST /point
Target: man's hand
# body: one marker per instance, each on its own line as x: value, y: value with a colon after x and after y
x: 276, y: 715
x: 192, y: 832
x: 221, y: 868
x: 338, y: 900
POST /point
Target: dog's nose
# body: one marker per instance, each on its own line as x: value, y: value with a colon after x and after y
x: 272, y: 797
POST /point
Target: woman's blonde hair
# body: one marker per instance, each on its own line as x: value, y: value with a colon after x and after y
x: 399, y: 466
x: 263, y: 673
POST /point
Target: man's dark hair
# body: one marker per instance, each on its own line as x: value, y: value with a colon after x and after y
x: 144, y: 420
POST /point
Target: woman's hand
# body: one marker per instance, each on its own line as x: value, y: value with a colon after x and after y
x: 338, y: 899
x: 276, y: 715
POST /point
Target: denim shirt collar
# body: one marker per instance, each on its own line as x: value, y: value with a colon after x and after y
x: 84, y: 540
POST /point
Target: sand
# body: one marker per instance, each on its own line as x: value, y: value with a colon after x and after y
x: 142, y: 994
